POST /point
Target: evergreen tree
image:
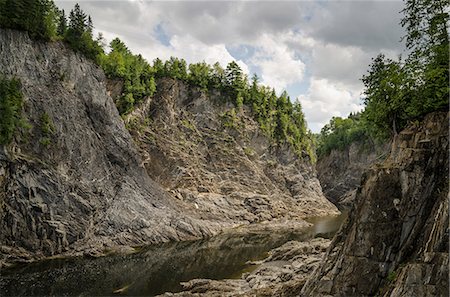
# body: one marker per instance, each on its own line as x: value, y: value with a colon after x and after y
x: 62, y: 24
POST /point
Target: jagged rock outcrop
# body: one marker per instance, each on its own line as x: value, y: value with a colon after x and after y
x: 86, y: 189
x: 219, y: 163
x: 395, y: 242
x: 340, y: 171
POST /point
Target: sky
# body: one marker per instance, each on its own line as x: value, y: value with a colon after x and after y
x: 315, y: 50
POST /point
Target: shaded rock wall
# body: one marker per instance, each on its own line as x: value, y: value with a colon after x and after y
x: 395, y: 242
x: 340, y: 171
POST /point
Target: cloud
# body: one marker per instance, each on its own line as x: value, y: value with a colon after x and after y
x: 370, y: 25
x: 278, y: 65
x: 325, y: 99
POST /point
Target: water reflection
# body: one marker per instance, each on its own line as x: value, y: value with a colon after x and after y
x: 155, y: 269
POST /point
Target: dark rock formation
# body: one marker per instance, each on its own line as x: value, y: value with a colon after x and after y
x: 340, y: 171
x: 395, y: 242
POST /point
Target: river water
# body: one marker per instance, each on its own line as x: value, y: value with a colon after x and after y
x: 155, y: 269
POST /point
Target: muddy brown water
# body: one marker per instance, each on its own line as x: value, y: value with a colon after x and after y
x: 155, y: 269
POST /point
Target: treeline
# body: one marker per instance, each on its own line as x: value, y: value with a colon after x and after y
x: 400, y: 91
x: 43, y: 20
x: 278, y: 117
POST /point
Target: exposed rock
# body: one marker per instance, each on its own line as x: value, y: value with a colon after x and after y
x: 395, y: 242
x: 282, y: 273
x: 232, y: 173
x: 340, y: 171
x: 86, y: 190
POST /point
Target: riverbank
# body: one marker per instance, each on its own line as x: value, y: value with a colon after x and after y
x: 282, y: 273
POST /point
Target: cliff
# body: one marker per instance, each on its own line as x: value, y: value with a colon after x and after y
x: 340, y: 171
x: 85, y: 190
x: 395, y: 242
x: 187, y: 172
x: 213, y: 157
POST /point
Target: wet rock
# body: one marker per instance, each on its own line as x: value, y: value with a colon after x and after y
x: 283, y: 272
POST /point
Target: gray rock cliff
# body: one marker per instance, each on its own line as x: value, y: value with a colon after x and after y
x: 86, y: 190
x: 395, y: 242
x: 223, y: 166
x: 340, y: 171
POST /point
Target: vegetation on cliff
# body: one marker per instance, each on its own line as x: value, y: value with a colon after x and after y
x: 279, y: 118
x: 400, y: 91
x: 11, y: 101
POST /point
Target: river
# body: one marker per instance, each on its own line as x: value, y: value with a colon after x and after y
x: 155, y: 269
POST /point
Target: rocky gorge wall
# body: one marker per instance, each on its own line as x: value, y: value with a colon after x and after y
x: 395, y: 242
x: 213, y: 157
x: 92, y: 187
x: 340, y: 171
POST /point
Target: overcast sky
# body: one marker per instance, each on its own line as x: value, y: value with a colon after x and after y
x: 316, y: 50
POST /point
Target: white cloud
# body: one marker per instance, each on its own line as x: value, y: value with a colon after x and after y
x: 325, y: 99
x: 278, y: 64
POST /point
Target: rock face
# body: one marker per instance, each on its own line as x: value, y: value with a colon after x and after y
x: 395, y: 242
x: 221, y: 164
x: 85, y: 189
x: 340, y: 171
x: 89, y: 187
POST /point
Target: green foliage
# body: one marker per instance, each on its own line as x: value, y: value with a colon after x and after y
x: 392, y: 276
x: 199, y: 74
x: 230, y: 119
x: 385, y: 94
x: 47, y: 129
x: 134, y: 70
x: 79, y: 34
x: 340, y: 133
x: 11, y: 102
x: 38, y: 17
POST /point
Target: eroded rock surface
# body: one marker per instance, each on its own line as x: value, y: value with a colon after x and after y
x: 86, y: 189
x: 396, y: 240
x: 223, y: 166
x: 340, y: 171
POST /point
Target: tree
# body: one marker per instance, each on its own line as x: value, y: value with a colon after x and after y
x: 199, y: 74
x: 37, y: 17
x: 384, y: 98
x: 11, y: 101
x: 234, y: 77
x: 62, y: 24
x: 427, y: 38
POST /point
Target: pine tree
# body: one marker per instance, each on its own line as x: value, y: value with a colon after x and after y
x: 62, y: 24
